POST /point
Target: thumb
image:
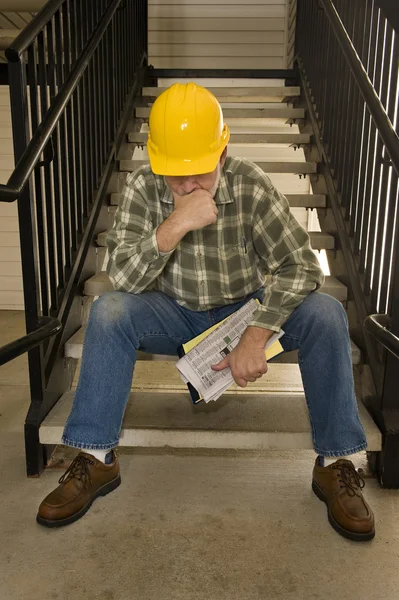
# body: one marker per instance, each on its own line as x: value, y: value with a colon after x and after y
x: 223, y: 364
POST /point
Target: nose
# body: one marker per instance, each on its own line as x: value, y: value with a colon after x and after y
x: 189, y: 186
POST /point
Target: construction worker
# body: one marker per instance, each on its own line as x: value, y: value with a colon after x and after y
x: 193, y: 239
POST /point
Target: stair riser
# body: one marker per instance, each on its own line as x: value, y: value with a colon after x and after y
x: 140, y: 139
x: 268, y: 167
x: 244, y: 94
x: 272, y: 422
x: 245, y: 113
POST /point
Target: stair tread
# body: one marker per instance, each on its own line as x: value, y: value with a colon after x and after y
x: 248, y: 94
x: 297, y: 167
x: 321, y: 241
x: 243, y: 421
x: 295, y: 200
x: 140, y: 139
x: 143, y: 112
x: 318, y: 240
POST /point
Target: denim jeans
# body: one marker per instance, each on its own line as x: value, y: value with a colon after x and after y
x: 121, y: 323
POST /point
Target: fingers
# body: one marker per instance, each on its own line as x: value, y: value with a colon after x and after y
x: 243, y: 381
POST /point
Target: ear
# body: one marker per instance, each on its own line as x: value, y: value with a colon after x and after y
x: 223, y: 158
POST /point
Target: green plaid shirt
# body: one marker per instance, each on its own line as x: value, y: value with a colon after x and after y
x: 255, y: 235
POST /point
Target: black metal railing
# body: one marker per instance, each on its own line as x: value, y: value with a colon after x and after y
x: 48, y: 326
x: 348, y: 54
x: 73, y: 73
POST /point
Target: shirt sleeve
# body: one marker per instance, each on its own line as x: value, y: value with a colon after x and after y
x: 134, y: 257
x: 285, y: 254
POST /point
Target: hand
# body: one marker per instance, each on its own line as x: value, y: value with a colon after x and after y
x: 195, y: 210
x: 247, y: 362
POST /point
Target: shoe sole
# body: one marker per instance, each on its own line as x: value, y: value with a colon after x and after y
x: 103, y: 491
x: 350, y: 535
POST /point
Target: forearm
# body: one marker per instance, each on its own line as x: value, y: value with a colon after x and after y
x: 132, y: 267
x: 256, y: 336
x: 169, y: 233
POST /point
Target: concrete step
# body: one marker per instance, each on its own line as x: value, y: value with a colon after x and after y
x: 267, y: 153
x: 239, y: 419
x: 286, y: 183
x: 140, y: 139
x: 100, y: 284
x: 298, y: 167
x: 143, y: 112
x: 318, y: 240
x: 240, y: 94
x: 295, y: 200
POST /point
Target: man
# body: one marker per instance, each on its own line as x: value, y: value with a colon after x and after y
x: 193, y: 239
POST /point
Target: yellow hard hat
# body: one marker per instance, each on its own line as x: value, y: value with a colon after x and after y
x: 186, y: 135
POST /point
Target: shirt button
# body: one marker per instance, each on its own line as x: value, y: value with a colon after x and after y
x: 202, y: 282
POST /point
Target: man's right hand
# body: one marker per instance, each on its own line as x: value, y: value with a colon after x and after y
x: 195, y: 210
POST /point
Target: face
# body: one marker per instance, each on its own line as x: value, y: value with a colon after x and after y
x: 207, y: 181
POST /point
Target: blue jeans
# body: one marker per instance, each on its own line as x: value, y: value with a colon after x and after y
x: 121, y: 323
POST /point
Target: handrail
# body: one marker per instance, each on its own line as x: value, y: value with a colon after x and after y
x: 23, y: 170
x: 378, y: 327
x: 377, y: 111
x: 32, y: 30
x: 48, y: 326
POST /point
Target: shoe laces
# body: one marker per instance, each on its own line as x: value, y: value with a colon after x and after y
x: 350, y: 478
x: 78, y: 469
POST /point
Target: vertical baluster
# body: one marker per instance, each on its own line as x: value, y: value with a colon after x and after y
x: 365, y: 139
x: 378, y: 218
x: 340, y: 99
x: 393, y: 200
x: 46, y: 182
x: 345, y: 126
x: 39, y: 202
x: 93, y: 107
x: 86, y: 116
x: 112, y: 76
x: 56, y: 164
x: 70, y: 156
x: 62, y: 147
x: 350, y: 183
x: 98, y: 96
x: 80, y: 120
x: 75, y: 120
x: 373, y: 167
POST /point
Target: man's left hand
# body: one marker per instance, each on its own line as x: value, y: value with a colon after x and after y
x: 247, y: 362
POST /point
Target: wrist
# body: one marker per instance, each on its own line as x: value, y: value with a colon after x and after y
x: 169, y: 234
x: 257, y: 336
x: 179, y: 223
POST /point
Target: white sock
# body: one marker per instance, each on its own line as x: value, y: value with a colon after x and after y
x: 98, y: 454
x: 329, y: 460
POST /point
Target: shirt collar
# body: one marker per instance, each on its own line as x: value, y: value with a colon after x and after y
x: 223, y: 194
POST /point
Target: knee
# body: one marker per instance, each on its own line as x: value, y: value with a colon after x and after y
x: 110, y: 309
x: 327, y: 313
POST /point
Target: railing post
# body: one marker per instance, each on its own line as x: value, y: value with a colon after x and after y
x: 35, y: 456
x: 388, y: 467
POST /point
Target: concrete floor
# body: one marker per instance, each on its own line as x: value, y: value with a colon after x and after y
x: 184, y: 526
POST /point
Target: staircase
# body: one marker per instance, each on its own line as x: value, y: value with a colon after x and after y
x: 270, y: 413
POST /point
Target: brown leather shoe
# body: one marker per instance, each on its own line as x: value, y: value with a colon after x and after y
x: 340, y: 486
x: 85, y: 480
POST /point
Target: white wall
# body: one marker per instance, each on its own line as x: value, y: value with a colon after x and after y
x: 222, y: 34
x: 11, y: 296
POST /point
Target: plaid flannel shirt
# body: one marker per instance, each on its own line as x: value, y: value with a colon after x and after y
x: 255, y: 235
